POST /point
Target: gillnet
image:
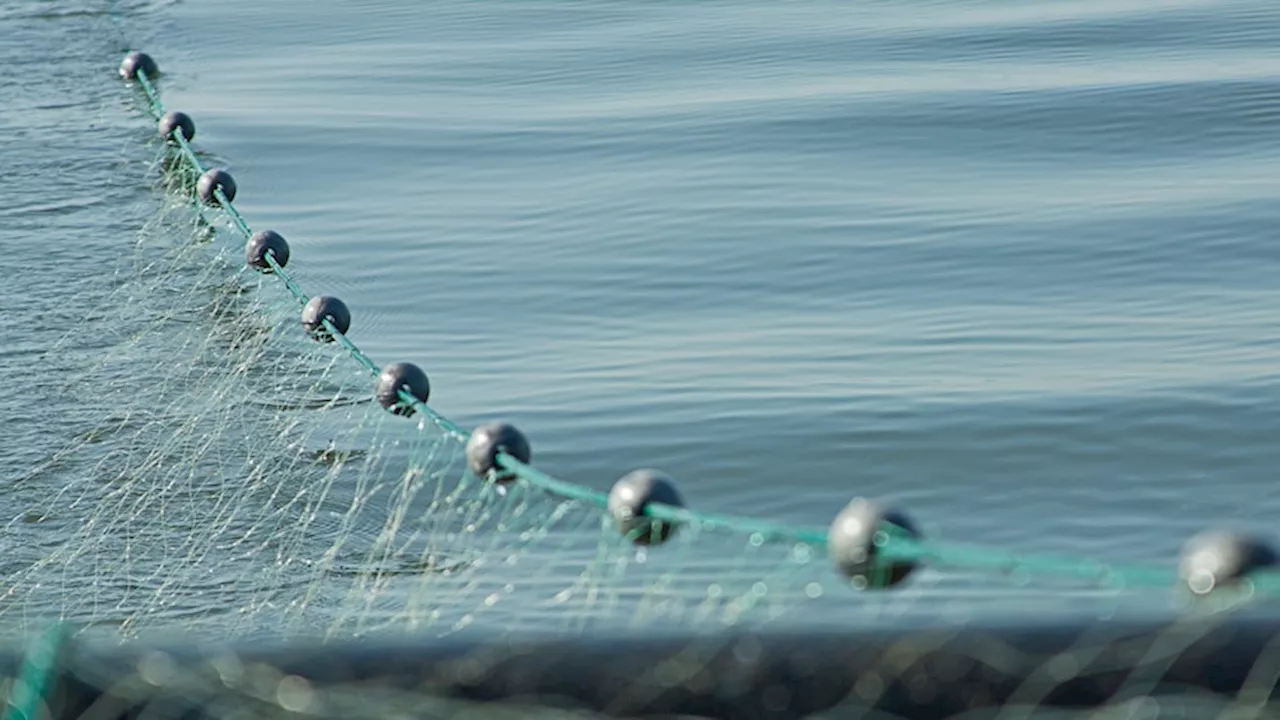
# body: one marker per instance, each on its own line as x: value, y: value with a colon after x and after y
x: 230, y: 477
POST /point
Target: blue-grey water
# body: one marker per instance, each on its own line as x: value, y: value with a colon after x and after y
x: 1011, y: 266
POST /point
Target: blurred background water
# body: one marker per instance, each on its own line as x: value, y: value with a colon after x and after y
x: 1010, y: 265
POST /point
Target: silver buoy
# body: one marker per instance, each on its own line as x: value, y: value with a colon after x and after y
x: 402, y: 376
x: 487, y: 441
x: 135, y: 61
x: 630, y: 498
x: 1216, y: 559
x: 256, y: 247
x: 321, y: 308
x: 179, y: 121
x: 852, y: 543
x: 214, y: 180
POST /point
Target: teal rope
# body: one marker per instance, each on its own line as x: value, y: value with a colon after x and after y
x: 342, y: 340
x: 537, y: 478
x: 153, y: 99
x: 447, y: 426
x: 38, y: 672
x: 296, y: 291
x: 760, y: 530
x: 244, y: 228
x: 893, y: 545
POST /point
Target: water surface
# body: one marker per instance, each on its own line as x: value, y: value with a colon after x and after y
x: 1010, y: 266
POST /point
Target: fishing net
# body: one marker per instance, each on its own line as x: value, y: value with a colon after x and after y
x: 225, y: 476
x: 230, y: 475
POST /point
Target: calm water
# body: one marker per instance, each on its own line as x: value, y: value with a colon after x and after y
x: 1010, y: 265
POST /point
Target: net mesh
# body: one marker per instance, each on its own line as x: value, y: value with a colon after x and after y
x: 218, y: 448
x: 227, y: 477
x: 232, y: 476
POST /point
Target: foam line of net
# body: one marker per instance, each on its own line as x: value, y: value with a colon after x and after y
x: 891, y: 544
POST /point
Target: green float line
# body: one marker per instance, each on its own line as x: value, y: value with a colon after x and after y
x: 153, y: 98
x: 893, y: 544
x: 539, y: 479
x: 761, y: 530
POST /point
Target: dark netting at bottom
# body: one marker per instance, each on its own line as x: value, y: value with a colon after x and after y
x: 1207, y: 667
